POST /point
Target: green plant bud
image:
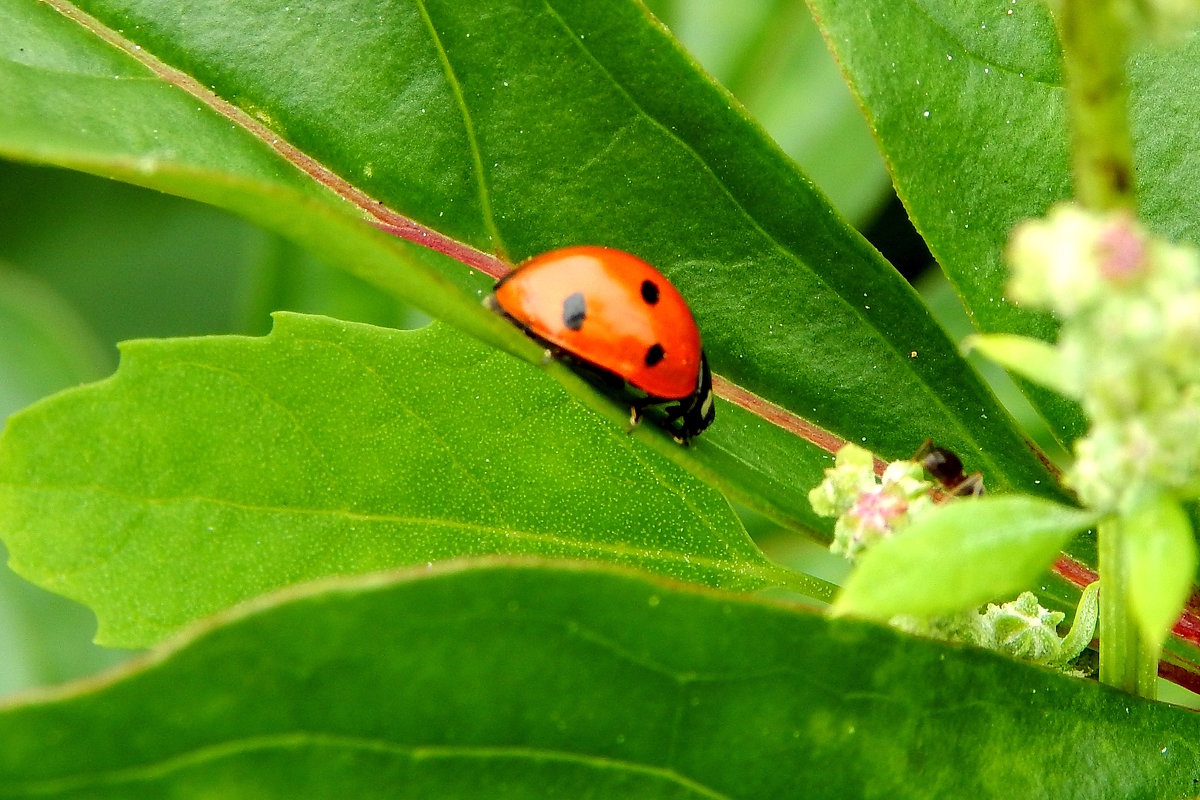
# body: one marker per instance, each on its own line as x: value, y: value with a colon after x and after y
x: 1024, y: 629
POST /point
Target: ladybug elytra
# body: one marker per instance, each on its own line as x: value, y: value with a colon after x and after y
x: 621, y: 325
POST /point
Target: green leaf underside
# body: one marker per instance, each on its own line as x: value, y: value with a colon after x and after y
x: 539, y: 681
x: 448, y: 122
x: 961, y: 555
x: 966, y: 99
x: 344, y: 448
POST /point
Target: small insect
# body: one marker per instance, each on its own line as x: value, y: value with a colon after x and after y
x: 947, y: 469
x: 621, y: 325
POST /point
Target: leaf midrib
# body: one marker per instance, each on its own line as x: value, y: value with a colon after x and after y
x: 758, y: 568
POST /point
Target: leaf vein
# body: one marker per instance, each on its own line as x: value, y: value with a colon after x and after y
x: 764, y: 573
x: 892, y: 348
x: 212, y: 753
x: 485, y: 199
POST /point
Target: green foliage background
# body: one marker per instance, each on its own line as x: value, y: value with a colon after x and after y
x: 794, y: 304
x: 87, y: 263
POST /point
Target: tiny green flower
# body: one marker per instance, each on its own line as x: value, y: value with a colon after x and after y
x: 876, y: 514
x: 853, y: 472
x: 868, y: 508
x: 1054, y: 261
x: 1129, y: 346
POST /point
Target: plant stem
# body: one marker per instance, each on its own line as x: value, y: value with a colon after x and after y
x: 1095, y: 45
x: 1127, y: 661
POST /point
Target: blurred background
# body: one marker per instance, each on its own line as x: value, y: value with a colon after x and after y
x: 86, y: 263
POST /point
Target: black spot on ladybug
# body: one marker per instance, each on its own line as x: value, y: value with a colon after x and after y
x: 650, y: 292
x: 654, y: 354
x: 574, y: 311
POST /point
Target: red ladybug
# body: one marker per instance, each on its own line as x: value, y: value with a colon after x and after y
x: 619, y: 323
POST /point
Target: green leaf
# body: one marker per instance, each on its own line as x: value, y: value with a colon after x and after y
x: 1032, y: 358
x: 967, y: 102
x: 344, y: 448
x: 960, y: 555
x: 947, y: 307
x: 1160, y: 557
x: 762, y: 480
x: 449, y: 126
x: 538, y: 681
x: 1083, y: 626
x: 771, y: 56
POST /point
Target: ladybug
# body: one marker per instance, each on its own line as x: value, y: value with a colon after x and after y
x: 947, y: 469
x: 621, y: 325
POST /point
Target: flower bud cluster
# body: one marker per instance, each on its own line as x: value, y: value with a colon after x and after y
x: 868, y: 508
x: 1129, y: 346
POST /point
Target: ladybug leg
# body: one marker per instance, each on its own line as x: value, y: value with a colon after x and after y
x: 547, y: 356
x: 673, y: 422
x: 635, y: 417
